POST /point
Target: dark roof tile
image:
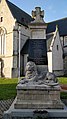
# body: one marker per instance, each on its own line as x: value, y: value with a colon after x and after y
x: 62, y: 25
x: 21, y: 16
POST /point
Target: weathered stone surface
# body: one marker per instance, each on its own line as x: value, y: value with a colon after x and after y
x: 31, y: 71
x: 38, y: 96
x: 38, y: 92
x: 32, y: 78
x: 39, y: 15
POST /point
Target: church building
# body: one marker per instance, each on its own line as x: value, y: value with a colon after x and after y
x: 16, y: 24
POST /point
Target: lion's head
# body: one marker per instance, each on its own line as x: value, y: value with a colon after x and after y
x: 30, y: 70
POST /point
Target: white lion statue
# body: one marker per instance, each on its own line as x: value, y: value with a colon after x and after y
x: 31, y: 70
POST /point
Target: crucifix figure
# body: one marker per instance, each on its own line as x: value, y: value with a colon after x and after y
x: 38, y: 14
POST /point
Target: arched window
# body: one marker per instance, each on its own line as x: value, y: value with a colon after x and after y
x: 2, y: 41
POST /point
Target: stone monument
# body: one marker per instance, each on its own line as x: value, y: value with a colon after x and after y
x: 37, y: 91
x: 38, y: 94
x: 38, y: 45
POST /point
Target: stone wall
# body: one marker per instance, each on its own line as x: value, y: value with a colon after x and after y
x: 7, y: 24
x: 65, y: 66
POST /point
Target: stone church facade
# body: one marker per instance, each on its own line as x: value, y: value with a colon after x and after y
x: 14, y: 22
x: 9, y: 37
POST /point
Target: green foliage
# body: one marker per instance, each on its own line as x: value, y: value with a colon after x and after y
x: 63, y: 95
x: 7, y: 88
x: 62, y: 80
x: 8, y: 81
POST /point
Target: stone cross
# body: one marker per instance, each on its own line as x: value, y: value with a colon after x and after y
x: 38, y: 14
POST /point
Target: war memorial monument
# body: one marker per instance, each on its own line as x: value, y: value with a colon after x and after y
x: 38, y: 94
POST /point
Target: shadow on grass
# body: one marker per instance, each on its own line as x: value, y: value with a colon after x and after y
x: 7, y: 91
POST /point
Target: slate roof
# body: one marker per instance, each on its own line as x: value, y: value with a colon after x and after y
x: 62, y: 25
x: 24, y: 18
x: 21, y: 16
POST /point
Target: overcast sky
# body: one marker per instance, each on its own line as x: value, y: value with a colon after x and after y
x: 54, y: 9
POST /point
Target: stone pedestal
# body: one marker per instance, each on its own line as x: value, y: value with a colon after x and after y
x: 38, y: 97
x: 37, y: 101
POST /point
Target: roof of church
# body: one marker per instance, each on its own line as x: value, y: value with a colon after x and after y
x: 62, y: 26
x: 24, y: 18
x: 21, y: 16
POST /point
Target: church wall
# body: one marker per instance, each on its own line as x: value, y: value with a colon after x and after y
x: 65, y: 66
x: 24, y: 35
x: 57, y: 56
x: 65, y: 50
x: 7, y: 23
x: 64, y: 41
x: 15, y: 51
x: 65, y: 56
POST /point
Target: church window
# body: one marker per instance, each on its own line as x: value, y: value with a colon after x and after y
x: 2, y: 42
x: 57, y: 47
x: 1, y: 19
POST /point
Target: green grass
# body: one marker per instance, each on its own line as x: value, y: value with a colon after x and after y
x: 7, y: 88
x: 63, y: 95
x: 62, y: 80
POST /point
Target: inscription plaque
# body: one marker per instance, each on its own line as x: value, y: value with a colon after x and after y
x: 38, y: 51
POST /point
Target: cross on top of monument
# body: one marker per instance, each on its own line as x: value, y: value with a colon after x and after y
x: 38, y: 14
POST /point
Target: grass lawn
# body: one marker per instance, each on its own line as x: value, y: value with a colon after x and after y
x: 8, y: 88
x: 62, y: 80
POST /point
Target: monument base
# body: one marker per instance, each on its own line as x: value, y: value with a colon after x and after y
x: 37, y: 101
x: 13, y: 113
x: 38, y: 97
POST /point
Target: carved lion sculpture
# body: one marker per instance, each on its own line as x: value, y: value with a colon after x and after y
x: 51, y: 79
x: 31, y: 71
x: 32, y: 76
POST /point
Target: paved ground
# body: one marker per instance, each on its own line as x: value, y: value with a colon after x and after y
x: 4, y: 105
